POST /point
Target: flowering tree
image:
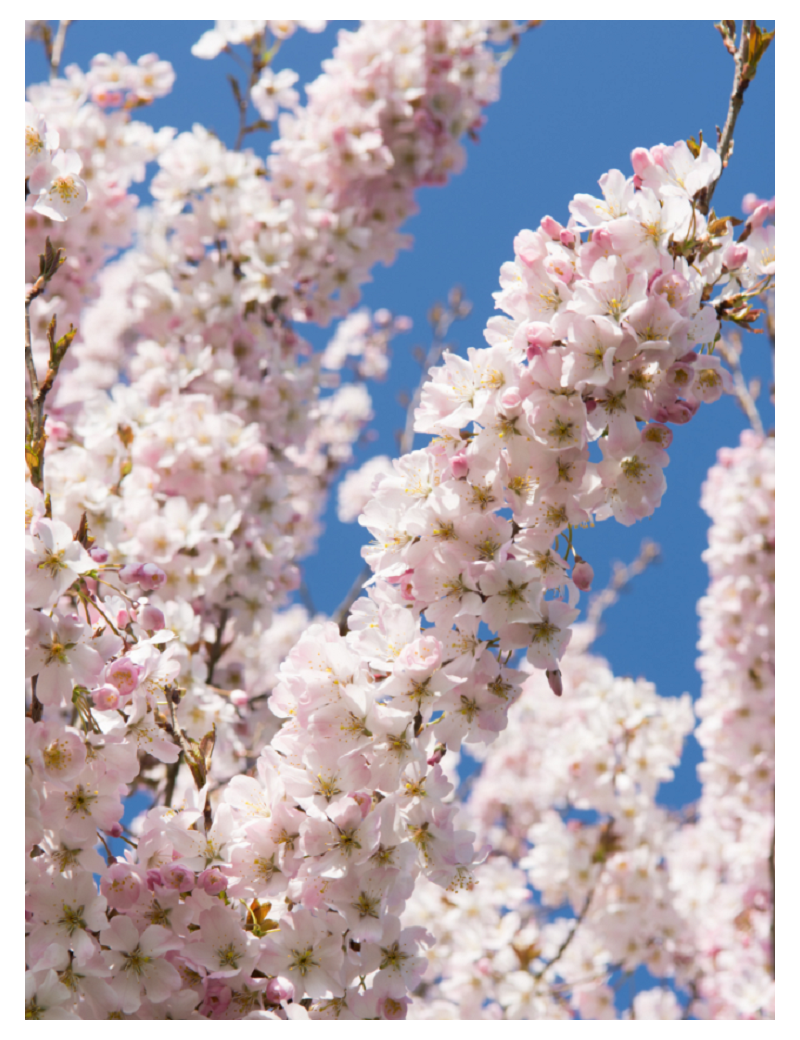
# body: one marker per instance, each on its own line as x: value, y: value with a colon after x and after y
x: 303, y: 852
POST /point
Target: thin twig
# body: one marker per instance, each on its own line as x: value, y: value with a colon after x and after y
x: 217, y: 648
x: 741, y: 81
x: 58, y: 47
x: 563, y: 947
x: 623, y: 575
x: 731, y: 352
x: 110, y: 857
x: 36, y: 704
x: 441, y: 319
x: 342, y: 611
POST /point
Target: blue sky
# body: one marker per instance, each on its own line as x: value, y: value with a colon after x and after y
x: 576, y: 99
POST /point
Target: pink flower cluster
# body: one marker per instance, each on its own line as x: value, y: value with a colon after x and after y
x: 197, y: 483
x: 218, y: 447
x: 567, y: 798
x: 721, y: 864
x: 386, y: 116
x: 51, y: 174
x: 564, y: 419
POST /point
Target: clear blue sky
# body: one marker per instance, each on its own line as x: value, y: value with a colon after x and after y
x: 576, y: 99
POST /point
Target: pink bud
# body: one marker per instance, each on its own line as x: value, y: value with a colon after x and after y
x: 239, y: 698
x: 278, y: 990
x: 567, y: 238
x: 106, y: 697
x: 551, y: 227
x: 420, y: 657
x: 98, y: 554
x: 540, y: 335
x: 217, y: 998
x: 212, y: 881
x: 151, y: 577
x: 129, y: 574
x: 510, y: 398
x: 681, y: 412
x: 640, y: 160
x: 554, y: 679
x: 382, y: 316
x: 179, y: 877
x: 582, y: 575
x: 151, y: 618
x: 124, y: 674
x: 115, y: 830
x: 120, y: 886
x: 154, y: 879
x: 459, y: 465
x: 734, y: 255
x: 750, y: 201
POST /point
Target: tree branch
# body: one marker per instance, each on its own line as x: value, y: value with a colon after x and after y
x: 58, y: 47
x: 565, y: 944
x: 752, y: 45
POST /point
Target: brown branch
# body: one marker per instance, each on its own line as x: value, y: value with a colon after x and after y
x: 36, y: 704
x: 217, y: 648
x: 565, y: 944
x: 746, y: 57
x: 342, y: 611
x: 58, y: 47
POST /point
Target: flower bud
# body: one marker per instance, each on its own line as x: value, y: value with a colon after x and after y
x: 151, y: 618
x: 106, y: 697
x: 212, y: 881
x: 239, y: 698
x: 98, y: 554
x: 124, y: 674
x: 155, y: 879
x: 459, y: 465
x: 120, y: 885
x: 179, y: 877
x: 582, y: 576
x: 554, y: 679
x: 734, y: 255
x: 278, y: 990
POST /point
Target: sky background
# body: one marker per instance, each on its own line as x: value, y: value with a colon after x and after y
x: 575, y: 100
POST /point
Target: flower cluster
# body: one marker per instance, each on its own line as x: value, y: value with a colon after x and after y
x: 567, y: 798
x: 564, y: 419
x: 51, y: 174
x: 189, y: 452
x: 722, y: 866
